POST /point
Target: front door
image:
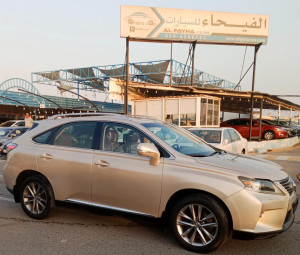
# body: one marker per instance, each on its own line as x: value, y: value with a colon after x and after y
x: 122, y: 179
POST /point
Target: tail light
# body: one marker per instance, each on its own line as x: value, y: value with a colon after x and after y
x: 11, y: 146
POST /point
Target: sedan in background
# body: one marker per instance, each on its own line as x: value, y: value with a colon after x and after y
x: 13, y: 123
x: 227, y: 139
x: 292, y: 131
x: 268, y: 132
x: 8, y: 134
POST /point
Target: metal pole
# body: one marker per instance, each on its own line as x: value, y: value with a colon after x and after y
x: 278, y: 115
x: 193, y: 63
x: 127, y: 77
x: 253, y: 84
x: 171, y: 66
x: 78, y: 89
x: 260, y: 117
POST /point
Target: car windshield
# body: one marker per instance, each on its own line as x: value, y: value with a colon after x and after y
x: 4, y: 131
x: 180, y: 139
x: 7, y: 124
x: 209, y: 136
x: 268, y: 122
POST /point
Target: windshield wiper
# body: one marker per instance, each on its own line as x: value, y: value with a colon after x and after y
x: 198, y: 155
x: 218, y: 152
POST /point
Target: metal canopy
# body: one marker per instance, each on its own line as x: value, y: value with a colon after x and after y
x: 160, y: 72
x: 232, y: 101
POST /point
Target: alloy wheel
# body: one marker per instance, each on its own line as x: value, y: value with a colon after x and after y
x: 269, y: 135
x: 35, y: 198
x: 197, y: 225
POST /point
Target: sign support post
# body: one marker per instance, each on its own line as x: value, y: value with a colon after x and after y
x: 127, y: 78
x: 252, y: 91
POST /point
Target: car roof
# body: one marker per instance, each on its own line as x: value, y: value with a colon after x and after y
x: 209, y: 128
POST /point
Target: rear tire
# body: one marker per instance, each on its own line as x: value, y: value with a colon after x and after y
x: 199, y: 223
x: 36, y: 197
x: 269, y: 135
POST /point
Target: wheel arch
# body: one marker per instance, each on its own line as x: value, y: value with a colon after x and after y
x: 21, y: 177
x: 187, y: 192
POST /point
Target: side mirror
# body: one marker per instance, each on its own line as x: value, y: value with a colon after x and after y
x: 149, y: 150
x: 225, y: 141
x: 255, y: 125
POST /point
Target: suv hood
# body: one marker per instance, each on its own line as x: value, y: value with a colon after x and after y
x: 249, y: 166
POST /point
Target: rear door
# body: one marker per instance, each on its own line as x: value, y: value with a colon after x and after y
x: 65, y: 158
x: 236, y: 141
x: 227, y: 136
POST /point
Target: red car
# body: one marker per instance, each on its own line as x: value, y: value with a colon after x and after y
x: 268, y: 132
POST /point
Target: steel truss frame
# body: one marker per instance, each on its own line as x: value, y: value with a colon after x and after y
x: 95, y: 78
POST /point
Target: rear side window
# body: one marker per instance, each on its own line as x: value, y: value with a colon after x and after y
x: 227, y: 136
x: 76, y: 134
x: 20, y: 124
x: 42, y: 138
x: 235, y: 137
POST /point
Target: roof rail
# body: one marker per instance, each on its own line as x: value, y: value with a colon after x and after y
x: 72, y: 115
x: 142, y: 117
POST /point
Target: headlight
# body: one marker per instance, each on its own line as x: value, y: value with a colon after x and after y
x: 261, y: 186
x: 280, y: 129
x: 293, y: 183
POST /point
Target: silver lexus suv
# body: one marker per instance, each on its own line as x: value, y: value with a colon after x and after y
x: 153, y: 168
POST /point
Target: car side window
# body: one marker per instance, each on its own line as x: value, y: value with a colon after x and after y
x: 227, y: 136
x: 121, y: 138
x: 76, y: 134
x: 42, y: 138
x: 235, y: 137
x: 18, y: 132
x: 20, y: 124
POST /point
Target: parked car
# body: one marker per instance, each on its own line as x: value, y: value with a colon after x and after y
x: 285, y: 125
x: 227, y: 139
x: 8, y: 134
x: 152, y: 168
x: 13, y: 123
x: 268, y: 132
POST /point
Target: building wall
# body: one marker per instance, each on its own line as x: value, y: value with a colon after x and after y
x: 183, y: 111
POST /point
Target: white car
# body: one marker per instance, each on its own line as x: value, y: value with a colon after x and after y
x: 227, y: 139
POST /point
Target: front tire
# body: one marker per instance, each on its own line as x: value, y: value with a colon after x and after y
x: 269, y: 135
x: 199, y: 223
x: 36, y: 197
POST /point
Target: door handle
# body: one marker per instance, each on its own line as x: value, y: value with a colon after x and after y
x: 101, y: 163
x: 46, y: 156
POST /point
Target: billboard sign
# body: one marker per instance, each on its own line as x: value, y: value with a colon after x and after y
x: 151, y: 23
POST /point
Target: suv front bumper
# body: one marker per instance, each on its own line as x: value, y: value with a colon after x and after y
x: 288, y: 222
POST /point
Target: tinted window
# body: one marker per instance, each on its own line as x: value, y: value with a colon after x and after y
x: 18, y: 132
x: 42, y: 138
x: 234, y: 135
x: 20, y: 124
x: 7, y: 124
x: 227, y: 136
x: 210, y: 136
x: 4, y: 131
x: 122, y: 138
x: 76, y: 134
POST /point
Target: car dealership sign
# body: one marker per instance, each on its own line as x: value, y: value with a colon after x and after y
x: 151, y: 23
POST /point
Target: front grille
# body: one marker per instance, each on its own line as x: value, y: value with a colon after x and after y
x: 288, y: 185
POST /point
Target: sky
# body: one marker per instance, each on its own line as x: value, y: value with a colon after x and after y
x: 39, y: 35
